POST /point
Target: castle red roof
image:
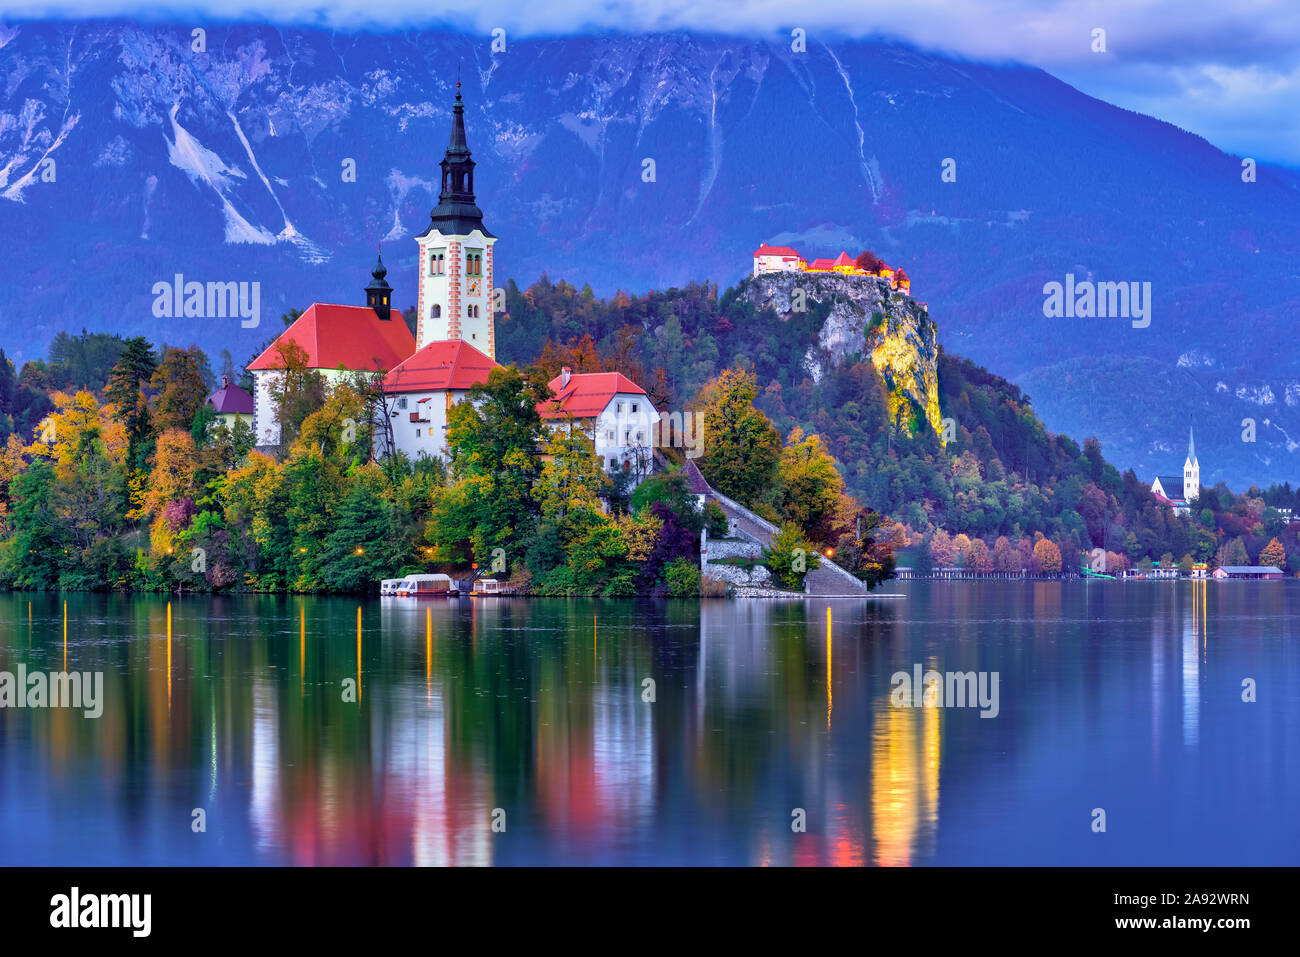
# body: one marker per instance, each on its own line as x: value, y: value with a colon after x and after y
x: 442, y: 364
x: 350, y: 336
x: 842, y: 259
x: 821, y: 264
x: 766, y: 250
x: 586, y: 395
x: 231, y: 400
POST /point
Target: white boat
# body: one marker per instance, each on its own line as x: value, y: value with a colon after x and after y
x: 486, y: 586
x: 389, y: 586
x: 426, y: 586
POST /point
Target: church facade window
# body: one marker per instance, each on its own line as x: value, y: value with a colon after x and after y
x: 437, y: 262
x: 435, y: 311
x: 474, y: 262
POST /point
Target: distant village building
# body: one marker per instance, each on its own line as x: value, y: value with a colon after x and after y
x: 232, y: 404
x: 1180, y: 491
x: 769, y: 259
x: 617, y: 412
x: 1248, y: 571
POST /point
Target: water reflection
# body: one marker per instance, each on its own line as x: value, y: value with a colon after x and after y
x: 536, y: 716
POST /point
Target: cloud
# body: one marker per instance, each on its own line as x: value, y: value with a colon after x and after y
x: 1230, y: 72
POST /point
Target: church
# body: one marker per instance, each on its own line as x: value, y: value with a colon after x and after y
x: 454, y: 346
x: 1180, y: 491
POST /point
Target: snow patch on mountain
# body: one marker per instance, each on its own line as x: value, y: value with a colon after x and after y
x: 1196, y: 359
x: 1260, y: 395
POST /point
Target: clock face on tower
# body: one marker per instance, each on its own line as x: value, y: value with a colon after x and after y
x: 473, y: 287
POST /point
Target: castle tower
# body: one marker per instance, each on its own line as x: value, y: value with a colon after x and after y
x: 455, y: 295
x: 1191, y: 471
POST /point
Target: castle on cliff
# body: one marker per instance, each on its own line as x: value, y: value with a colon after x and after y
x: 768, y: 259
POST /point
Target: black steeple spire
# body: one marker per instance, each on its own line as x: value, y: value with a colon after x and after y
x: 379, y: 295
x: 456, y: 213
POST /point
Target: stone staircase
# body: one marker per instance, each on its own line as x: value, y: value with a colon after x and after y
x: 827, y: 580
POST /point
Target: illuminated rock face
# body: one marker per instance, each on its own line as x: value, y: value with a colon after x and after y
x: 864, y: 316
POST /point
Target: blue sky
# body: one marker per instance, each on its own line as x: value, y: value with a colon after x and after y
x: 1227, y: 71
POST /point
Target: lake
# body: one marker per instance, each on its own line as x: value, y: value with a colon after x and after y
x: 286, y: 730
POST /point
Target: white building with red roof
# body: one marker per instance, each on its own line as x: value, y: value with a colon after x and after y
x: 615, y: 411
x: 420, y: 392
x: 338, y: 341
x: 776, y: 259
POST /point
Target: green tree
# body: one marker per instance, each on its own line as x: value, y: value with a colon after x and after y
x: 34, y: 557
x: 362, y: 547
x: 683, y: 578
x: 492, y: 438
x: 790, y: 557
x: 741, y: 447
x: 126, y: 390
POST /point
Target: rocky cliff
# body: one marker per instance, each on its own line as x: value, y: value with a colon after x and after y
x: 863, y: 317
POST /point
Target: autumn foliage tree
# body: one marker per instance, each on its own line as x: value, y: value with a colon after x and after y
x: 1048, y: 555
x: 741, y: 447
x: 181, y: 383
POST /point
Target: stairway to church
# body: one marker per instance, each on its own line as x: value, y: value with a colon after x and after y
x: 827, y: 580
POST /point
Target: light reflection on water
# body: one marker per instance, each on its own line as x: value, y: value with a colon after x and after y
x: 533, y: 714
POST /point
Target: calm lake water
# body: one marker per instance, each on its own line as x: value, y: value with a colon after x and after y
x: 1125, y: 697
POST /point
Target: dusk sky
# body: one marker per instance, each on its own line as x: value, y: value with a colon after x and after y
x: 1229, y: 72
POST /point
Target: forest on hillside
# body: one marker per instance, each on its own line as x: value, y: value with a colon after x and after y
x: 1004, y: 475
x: 113, y: 473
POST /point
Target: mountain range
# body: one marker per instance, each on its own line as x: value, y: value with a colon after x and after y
x: 128, y: 156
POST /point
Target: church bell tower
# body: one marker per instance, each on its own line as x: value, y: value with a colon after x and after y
x: 1191, y: 471
x: 455, y: 294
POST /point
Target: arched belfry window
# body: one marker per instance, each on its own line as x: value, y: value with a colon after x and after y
x: 435, y: 311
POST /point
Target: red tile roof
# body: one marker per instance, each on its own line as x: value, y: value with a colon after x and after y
x: 766, y: 250
x: 821, y: 264
x: 442, y: 364
x: 842, y: 259
x: 586, y: 395
x: 350, y: 336
x: 231, y: 400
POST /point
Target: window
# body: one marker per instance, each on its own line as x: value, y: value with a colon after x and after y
x: 474, y: 262
x: 437, y: 262
x: 620, y: 407
x: 609, y: 436
x: 613, y: 465
x: 634, y: 408
x: 401, y: 403
x: 435, y: 311
x: 417, y: 433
